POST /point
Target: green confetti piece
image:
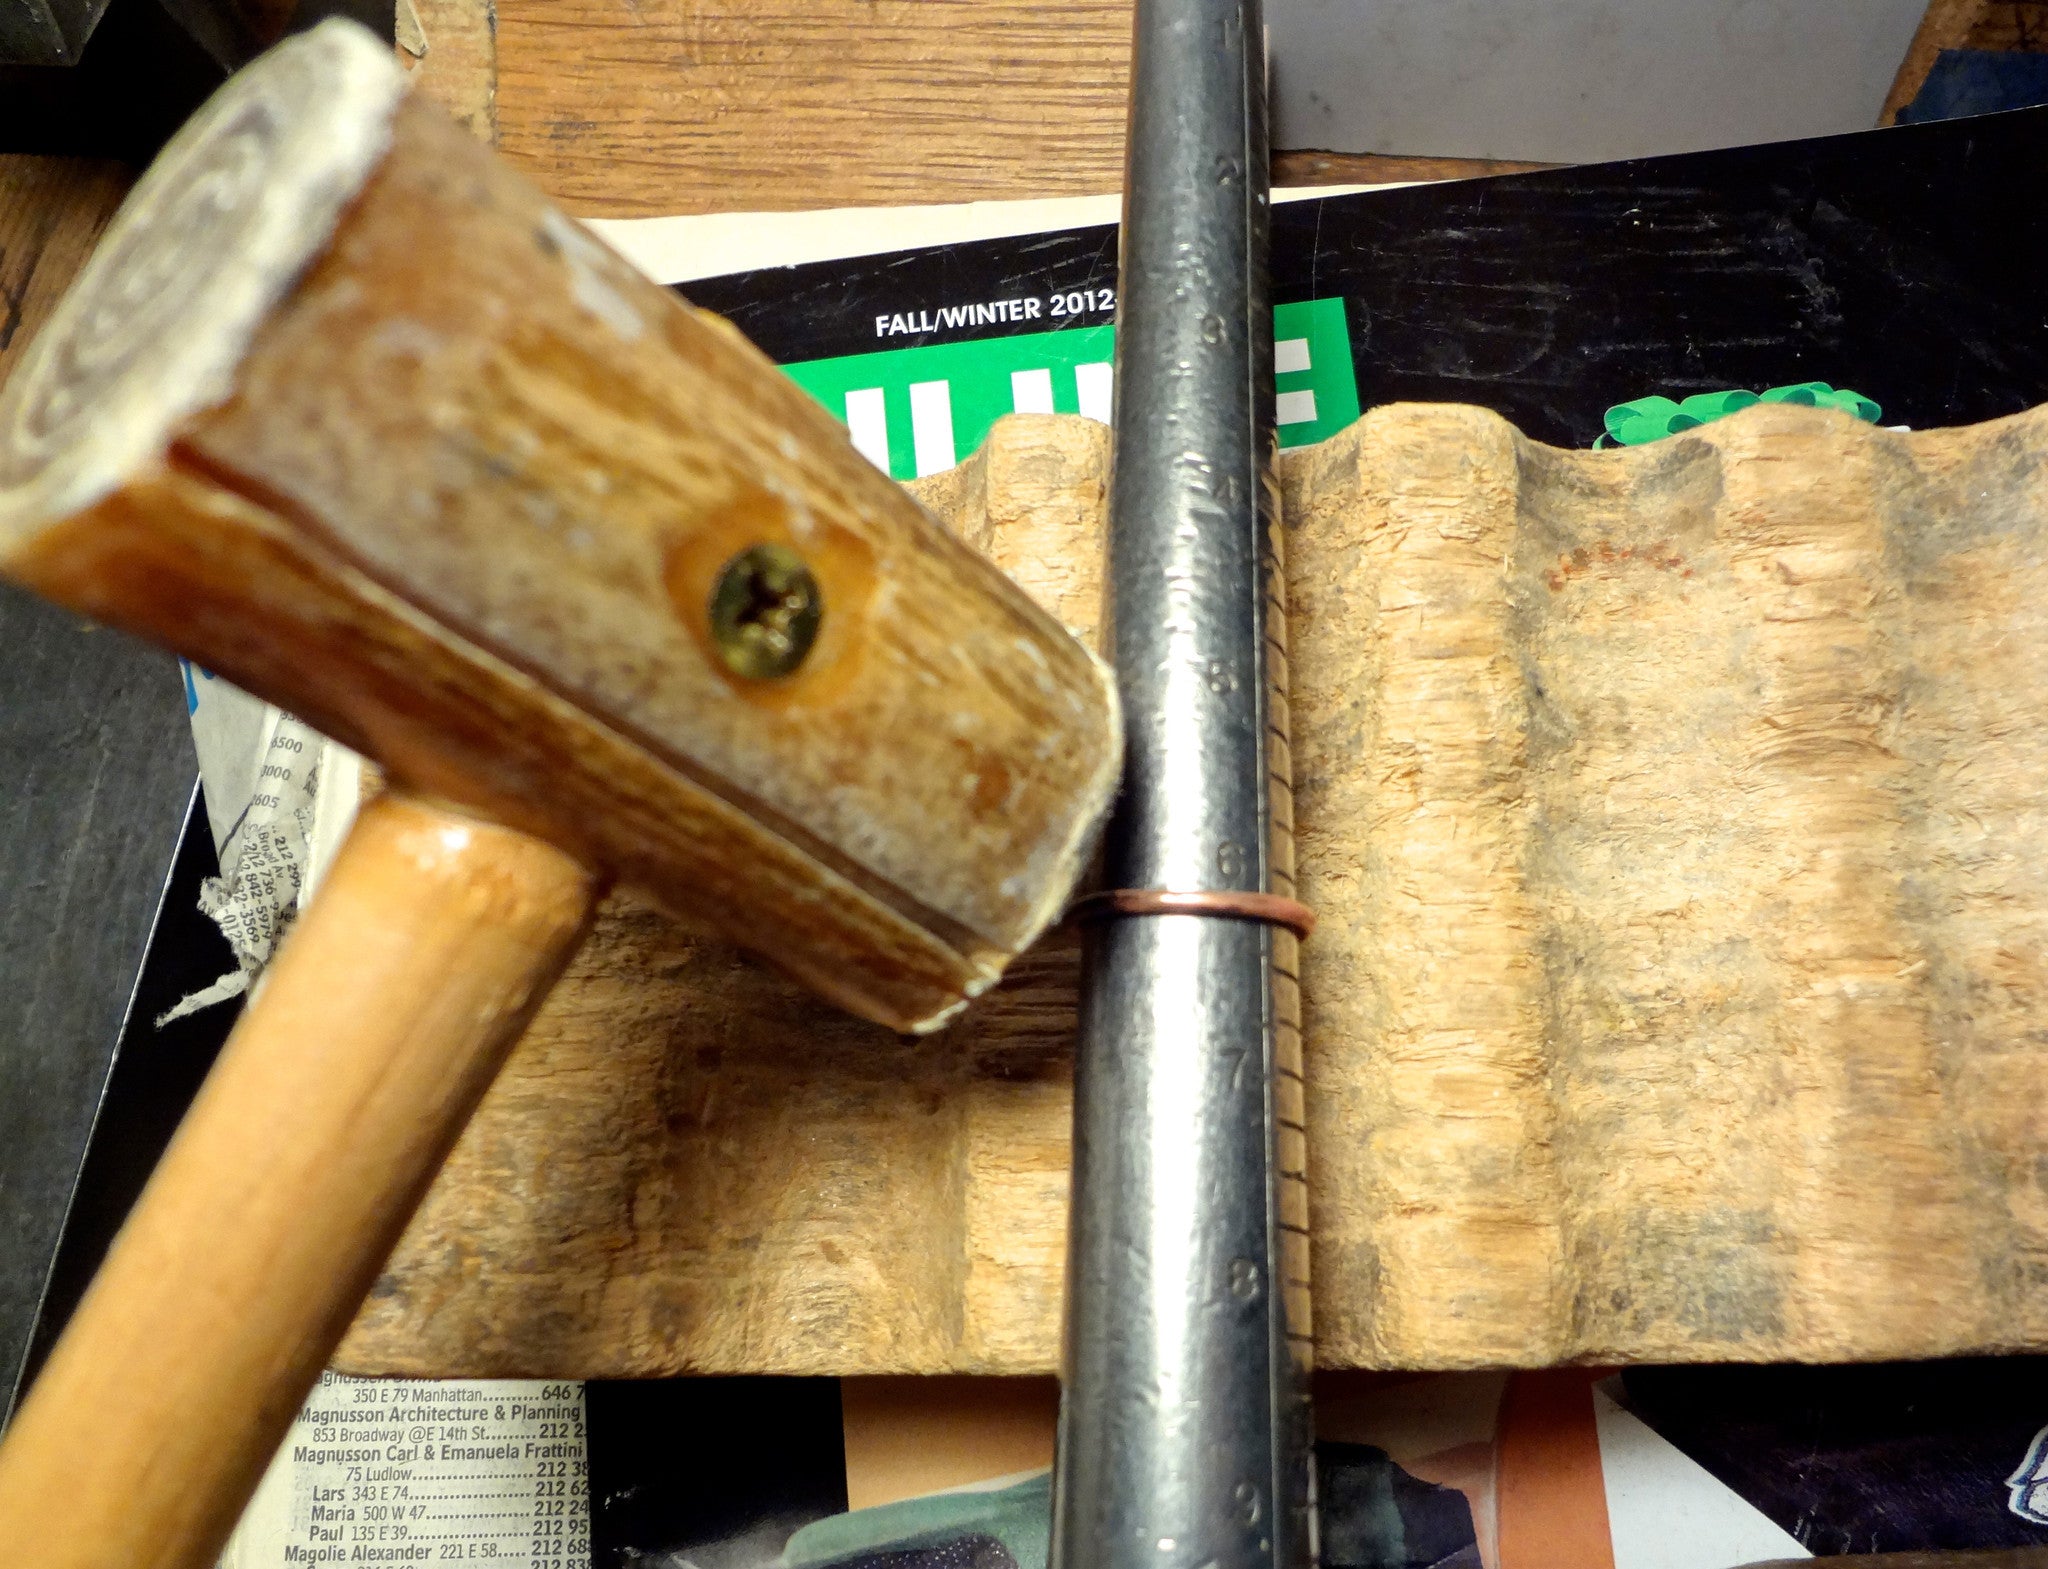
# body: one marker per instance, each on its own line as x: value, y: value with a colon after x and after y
x: 1806, y: 393
x: 1644, y: 420
x: 1632, y: 424
x: 1704, y: 406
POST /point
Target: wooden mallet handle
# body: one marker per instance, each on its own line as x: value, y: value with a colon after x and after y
x: 381, y: 1023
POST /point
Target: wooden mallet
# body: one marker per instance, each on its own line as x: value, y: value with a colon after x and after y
x: 346, y: 411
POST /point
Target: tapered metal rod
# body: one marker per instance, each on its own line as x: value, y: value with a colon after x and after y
x: 1184, y: 1419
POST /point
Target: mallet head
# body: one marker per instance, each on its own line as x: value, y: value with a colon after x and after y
x: 344, y: 409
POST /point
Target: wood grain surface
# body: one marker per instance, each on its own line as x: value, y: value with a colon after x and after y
x: 1671, y: 816
x: 53, y: 210
x: 624, y: 108
x: 51, y: 213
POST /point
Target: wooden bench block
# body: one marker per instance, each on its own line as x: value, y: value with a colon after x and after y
x: 1678, y: 821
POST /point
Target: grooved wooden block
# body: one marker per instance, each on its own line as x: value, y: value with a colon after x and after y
x: 1678, y: 820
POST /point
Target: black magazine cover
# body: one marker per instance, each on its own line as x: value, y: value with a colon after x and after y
x: 1909, y: 266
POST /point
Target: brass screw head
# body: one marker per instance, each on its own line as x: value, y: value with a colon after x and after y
x: 765, y: 610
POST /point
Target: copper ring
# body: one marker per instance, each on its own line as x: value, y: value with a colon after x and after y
x: 1272, y: 908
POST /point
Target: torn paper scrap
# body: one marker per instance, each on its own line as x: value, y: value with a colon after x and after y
x: 279, y: 796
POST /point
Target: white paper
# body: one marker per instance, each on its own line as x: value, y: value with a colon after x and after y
x: 1667, y: 1511
x: 427, y: 1472
x: 1576, y: 81
x: 279, y: 797
x: 709, y: 245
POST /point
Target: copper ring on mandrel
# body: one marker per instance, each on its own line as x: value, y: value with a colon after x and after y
x: 1272, y: 908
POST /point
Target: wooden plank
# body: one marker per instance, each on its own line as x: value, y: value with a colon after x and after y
x: 1945, y: 26
x: 2015, y: 26
x: 1321, y: 168
x: 623, y: 107
x: 51, y: 213
x: 1671, y: 814
x: 1550, y: 1493
x: 678, y: 106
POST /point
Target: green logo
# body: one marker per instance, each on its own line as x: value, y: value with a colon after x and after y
x: 918, y: 411
x: 1652, y: 419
